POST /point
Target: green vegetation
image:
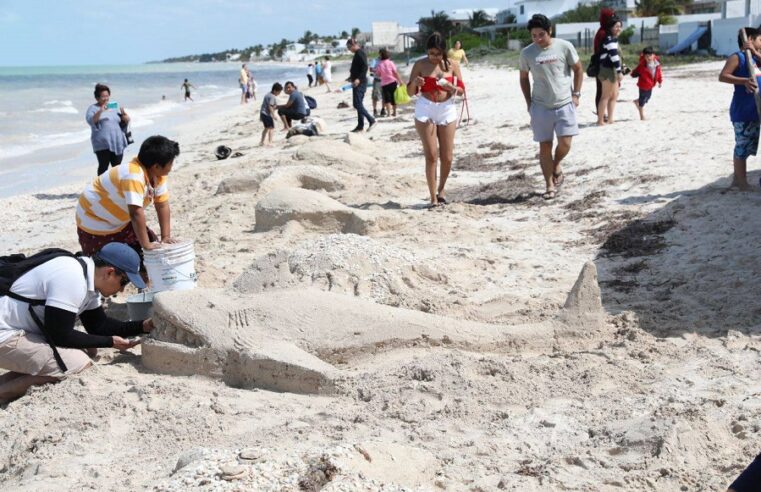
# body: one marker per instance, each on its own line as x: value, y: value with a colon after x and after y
x: 276, y: 50
x: 630, y: 54
x: 582, y: 13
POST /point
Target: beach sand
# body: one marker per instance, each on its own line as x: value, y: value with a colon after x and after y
x: 666, y: 399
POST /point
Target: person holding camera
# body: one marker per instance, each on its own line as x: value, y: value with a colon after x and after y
x: 106, y: 120
x: 611, y: 71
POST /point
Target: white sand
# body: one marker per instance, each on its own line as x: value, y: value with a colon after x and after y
x: 670, y: 402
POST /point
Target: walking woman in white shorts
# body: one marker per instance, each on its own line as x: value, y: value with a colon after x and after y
x: 436, y: 80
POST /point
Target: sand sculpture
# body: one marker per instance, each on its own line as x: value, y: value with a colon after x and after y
x: 306, y: 177
x: 250, y: 340
x: 310, y: 208
x: 332, y: 152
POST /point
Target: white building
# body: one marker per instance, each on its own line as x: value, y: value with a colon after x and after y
x: 390, y: 35
x: 524, y: 9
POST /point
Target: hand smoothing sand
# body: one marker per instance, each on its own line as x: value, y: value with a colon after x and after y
x: 664, y: 399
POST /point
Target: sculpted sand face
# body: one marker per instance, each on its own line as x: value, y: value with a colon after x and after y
x: 252, y: 341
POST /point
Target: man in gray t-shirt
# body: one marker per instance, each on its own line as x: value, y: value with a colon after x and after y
x: 295, y: 109
x: 552, y: 104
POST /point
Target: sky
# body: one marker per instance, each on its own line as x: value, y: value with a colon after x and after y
x: 96, y: 32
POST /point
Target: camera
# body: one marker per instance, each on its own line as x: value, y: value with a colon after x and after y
x: 625, y: 70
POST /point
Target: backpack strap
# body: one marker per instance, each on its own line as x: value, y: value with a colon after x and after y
x: 40, y: 324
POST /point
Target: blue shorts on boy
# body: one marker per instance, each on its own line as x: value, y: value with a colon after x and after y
x: 746, y: 138
x: 644, y: 96
x: 546, y: 122
x: 266, y: 120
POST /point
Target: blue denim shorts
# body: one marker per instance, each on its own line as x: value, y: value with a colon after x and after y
x: 746, y: 138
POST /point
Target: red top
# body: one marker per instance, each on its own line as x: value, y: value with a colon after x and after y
x: 431, y: 84
x: 646, y: 80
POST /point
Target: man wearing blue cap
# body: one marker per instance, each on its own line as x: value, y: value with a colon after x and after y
x: 38, y: 342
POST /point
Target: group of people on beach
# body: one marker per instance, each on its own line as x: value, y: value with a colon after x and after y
x: 609, y: 69
x: 247, y: 85
x: 42, y: 295
x: 320, y: 73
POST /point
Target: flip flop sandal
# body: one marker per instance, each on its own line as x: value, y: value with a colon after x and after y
x: 559, y: 179
x: 237, y: 154
x: 442, y: 200
x: 549, y: 195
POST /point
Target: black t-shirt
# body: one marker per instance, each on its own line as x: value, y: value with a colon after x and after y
x: 358, y: 68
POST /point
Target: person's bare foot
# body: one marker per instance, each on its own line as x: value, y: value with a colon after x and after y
x: 639, y: 109
x: 601, y: 123
x: 740, y: 186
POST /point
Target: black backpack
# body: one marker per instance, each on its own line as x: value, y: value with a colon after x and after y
x: 311, y: 102
x: 12, y: 267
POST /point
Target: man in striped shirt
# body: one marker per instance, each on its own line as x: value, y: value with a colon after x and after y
x: 112, y: 207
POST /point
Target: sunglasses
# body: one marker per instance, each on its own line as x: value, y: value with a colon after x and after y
x: 124, y: 280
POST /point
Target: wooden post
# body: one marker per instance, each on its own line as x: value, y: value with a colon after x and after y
x: 752, y: 72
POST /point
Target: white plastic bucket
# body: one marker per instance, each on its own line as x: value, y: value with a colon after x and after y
x: 171, y: 267
x: 140, y: 306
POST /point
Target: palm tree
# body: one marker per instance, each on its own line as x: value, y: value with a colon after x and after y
x: 257, y: 49
x: 355, y: 32
x: 437, y: 22
x: 479, y: 18
x: 306, y: 38
x: 343, y: 35
x: 660, y: 8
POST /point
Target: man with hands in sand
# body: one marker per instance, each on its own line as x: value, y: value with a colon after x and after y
x: 112, y: 207
x: 38, y: 342
x: 552, y: 104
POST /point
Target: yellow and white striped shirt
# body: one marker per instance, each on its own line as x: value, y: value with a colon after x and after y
x: 104, y: 205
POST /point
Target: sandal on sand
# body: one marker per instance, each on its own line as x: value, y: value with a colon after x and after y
x: 549, y: 195
x: 558, y: 178
x: 432, y: 206
x: 442, y: 200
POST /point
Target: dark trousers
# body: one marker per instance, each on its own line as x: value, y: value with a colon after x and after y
x: 106, y: 157
x: 358, y: 96
x: 290, y: 114
x: 598, y: 94
x: 311, y: 80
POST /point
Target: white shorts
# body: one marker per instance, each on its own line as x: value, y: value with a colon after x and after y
x: 440, y: 114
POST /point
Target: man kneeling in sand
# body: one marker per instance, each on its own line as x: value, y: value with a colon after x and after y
x: 38, y: 342
x: 295, y: 109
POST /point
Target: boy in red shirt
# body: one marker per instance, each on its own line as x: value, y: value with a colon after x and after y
x: 649, y: 73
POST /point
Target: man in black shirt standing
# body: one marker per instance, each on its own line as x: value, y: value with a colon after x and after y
x: 358, y: 79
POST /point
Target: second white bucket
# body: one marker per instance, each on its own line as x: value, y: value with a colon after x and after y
x: 171, y: 267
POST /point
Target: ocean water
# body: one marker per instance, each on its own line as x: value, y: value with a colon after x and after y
x: 45, y: 140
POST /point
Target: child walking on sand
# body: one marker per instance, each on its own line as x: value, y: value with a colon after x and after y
x: 648, y: 73
x: 268, y: 113
x: 742, y: 110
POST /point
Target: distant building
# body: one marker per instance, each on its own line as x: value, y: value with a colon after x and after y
x: 335, y: 47
x: 524, y: 9
x: 503, y: 16
x: 233, y: 56
x: 391, y: 35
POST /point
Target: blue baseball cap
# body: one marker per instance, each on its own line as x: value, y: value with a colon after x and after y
x: 126, y: 259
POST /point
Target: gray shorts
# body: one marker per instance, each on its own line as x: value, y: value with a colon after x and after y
x: 560, y: 121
